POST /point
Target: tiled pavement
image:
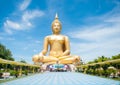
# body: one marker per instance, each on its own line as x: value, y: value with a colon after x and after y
x: 62, y: 78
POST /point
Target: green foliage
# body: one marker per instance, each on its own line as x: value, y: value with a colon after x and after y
x: 23, y: 61
x: 105, y: 66
x: 103, y: 58
x: 12, y: 72
x: 26, y: 72
x: 5, y: 53
x: 101, y: 67
x: 90, y: 62
x: 105, y: 73
x: 116, y: 56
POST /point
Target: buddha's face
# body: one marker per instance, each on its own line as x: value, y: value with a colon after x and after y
x: 56, y: 27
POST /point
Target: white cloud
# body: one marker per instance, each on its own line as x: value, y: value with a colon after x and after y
x: 90, y: 51
x: 113, y: 19
x: 99, y: 39
x: 24, y: 22
x: 12, y: 25
x: 29, y: 15
x: 95, y: 34
x: 24, y: 4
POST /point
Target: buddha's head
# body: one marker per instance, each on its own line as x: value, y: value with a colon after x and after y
x: 56, y: 26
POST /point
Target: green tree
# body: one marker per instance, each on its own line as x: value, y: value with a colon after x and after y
x: 99, y: 59
x: 116, y: 57
x: 102, y: 58
x: 5, y: 53
x: 23, y: 61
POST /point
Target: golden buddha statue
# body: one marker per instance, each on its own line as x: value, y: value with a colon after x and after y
x: 59, y: 48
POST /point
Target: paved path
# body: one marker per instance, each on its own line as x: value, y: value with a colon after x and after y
x: 62, y: 78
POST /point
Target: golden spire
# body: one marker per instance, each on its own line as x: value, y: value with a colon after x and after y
x: 56, y: 19
x: 56, y: 16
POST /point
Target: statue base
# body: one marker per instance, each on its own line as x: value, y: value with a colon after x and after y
x: 58, y: 67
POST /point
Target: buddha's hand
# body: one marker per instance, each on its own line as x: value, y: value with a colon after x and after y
x: 77, y: 58
x: 40, y: 57
x: 40, y: 54
x: 58, y: 56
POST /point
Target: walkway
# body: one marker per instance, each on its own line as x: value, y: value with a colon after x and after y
x: 62, y: 78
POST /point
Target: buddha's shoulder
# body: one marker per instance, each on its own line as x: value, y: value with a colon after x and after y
x: 47, y: 37
x: 64, y: 36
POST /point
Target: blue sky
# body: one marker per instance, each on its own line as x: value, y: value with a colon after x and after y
x: 93, y: 26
